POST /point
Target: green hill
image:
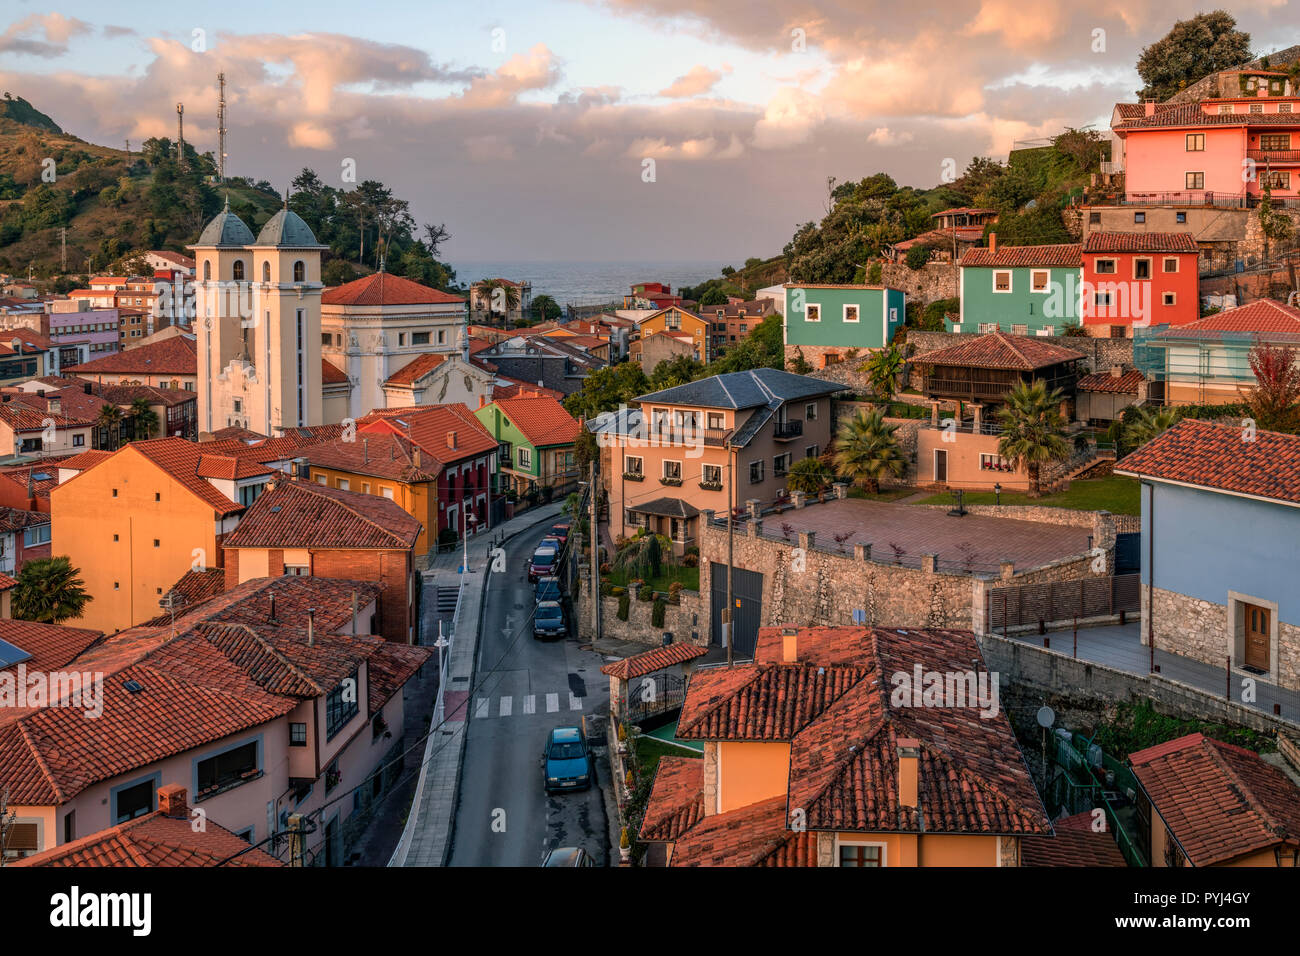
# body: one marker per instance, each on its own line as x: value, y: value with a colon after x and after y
x: 20, y: 111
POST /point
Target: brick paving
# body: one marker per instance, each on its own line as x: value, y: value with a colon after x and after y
x: 982, y: 540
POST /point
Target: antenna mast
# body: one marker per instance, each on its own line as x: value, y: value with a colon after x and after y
x: 180, y: 134
x: 221, y: 126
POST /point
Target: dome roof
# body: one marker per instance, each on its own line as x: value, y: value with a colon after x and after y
x: 226, y: 229
x: 286, y: 228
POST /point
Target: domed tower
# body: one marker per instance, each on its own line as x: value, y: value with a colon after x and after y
x: 286, y: 340
x: 223, y: 271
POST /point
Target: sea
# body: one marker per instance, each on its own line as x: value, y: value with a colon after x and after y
x: 588, y: 283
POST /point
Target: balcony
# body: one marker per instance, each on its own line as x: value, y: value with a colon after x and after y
x: 1284, y: 156
x: 690, y: 435
x: 785, y: 431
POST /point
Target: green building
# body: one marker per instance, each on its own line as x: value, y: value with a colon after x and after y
x: 1021, y: 290
x: 823, y: 322
x: 535, y: 438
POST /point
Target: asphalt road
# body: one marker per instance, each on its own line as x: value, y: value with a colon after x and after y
x: 523, y: 689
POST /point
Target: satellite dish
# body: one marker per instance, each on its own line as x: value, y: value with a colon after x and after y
x: 1046, y: 716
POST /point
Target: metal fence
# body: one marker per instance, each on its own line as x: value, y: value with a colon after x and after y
x: 1056, y: 601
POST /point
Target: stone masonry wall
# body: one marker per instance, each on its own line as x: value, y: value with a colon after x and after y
x: 684, y: 620
x: 938, y: 280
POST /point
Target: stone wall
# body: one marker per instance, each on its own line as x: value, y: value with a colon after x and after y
x: 938, y: 280
x: 685, y: 620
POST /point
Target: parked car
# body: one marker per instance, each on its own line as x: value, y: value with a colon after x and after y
x: 543, y: 564
x: 548, y: 620
x: 560, y: 531
x: 566, y: 762
x: 568, y: 856
x: 551, y: 541
x: 548, y: 589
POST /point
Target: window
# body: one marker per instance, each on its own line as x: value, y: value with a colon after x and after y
x: 342, y: 484
x: 322, y: 479
x: 1257, y: 107
x: 1271, y: 141
x: 810, y: 411
x: 1170, y: 298
x: 812, y: 313
x: 266, y: 271
x: 1278, y: 179
x: 327, y: 338
x: 1019, y: 330
x: 36, y: 535
x: 1094, y: 219
x: 69, y: 826
x: 1225, y: 108
x: 524, y: 458
x: 1194, y: 181
x: 387, y: 493
x: 1038, y: 280
x: 238, y: 270
x: 299, y: 271
x: 248, y: 494
x: 672, y: 470
x: 1284, y: 107
x: 157, y: 543
x: 711, y: 475
x: 401, y: 338
x: 297, y: 735
x: 1170, y: 264
x: 716, y: 420
x: 1001, y: 281
x: 419, y: 338
x: 780, y: 465
x: 861, y: 854
x: 986, y: 327
x: 227, y: 769
x: 1139, y: 217
x: 78, y: 441
x: 442, y: 336
x: 1141, y: 268
x: 207, y: 269
x: 812, y: 451
x: 1195, y: 142
x: 134, y: 801
x: 1103, y: 299
x: 341, y: 706
x: 850, y: 313
x: 1118, y: 332
x: 673, y: 320
x: 991, y: 462
x: 756, y: 472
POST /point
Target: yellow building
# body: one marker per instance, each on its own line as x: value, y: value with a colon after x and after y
x: 676, y: 319
x: 816, y: 753
x: 136, y: 521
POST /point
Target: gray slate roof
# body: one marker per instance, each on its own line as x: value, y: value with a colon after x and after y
x: 749, y: 389
x: 666, y: 507
x: 287, y: 228
x: 226, y: 229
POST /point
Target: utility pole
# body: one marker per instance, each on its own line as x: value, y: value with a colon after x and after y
x: 7, y: 818
x: 63, y: 249
x: 726, y: 613
x: 180, y: 134
x: 595, y: 553
x: 221, y: 127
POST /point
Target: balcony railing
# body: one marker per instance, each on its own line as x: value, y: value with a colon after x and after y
x: 1274, y: 155
x: 687, y: 435
x: 968, y: 428
x: 786, y: 430
x: 1205, y: 197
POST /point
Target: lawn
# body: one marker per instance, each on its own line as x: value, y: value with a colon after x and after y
x: 1117, y: 495
x: 690, y: 578
x: 650, y: 749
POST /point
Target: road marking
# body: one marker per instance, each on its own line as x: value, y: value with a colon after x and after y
x: 552, y: 703
x: 575, y: 702
x: 506, y: 704
x: 530, y: 704
x: 481, y: 707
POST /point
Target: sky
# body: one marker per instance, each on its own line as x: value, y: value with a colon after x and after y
x: 621, y: 130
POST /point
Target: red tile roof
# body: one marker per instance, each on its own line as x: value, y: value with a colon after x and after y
x: 1217, y: 456
x: 23, y: 416
x: 87, y: 459
x: 1010, y: 257
x: 676, y: 800
x: 1220, y: 801
x: 176, y: 355
x: 304, y: 514
x: 650, y: 661
x: 186, y: 462
x: 1139, y: 242
x: 384, y: 288
x: 330, y: 375
x: 51, y: 646
x: 1191, y: 114
x: 1262, y: 317
x: 1124, y: 384
x: 753, y: 835
x: 379, y: 455
x: 192, y: 589
x: 542, y: 420
x: 155, y: 839
x: 1075, y: 844
x: 430, y: 427
x: 520, y: 389
x: 1000, y: 350
x: 6, y: 582
x: 237, y: 433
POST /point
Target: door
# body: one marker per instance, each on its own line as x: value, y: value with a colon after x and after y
x: 747, y: 591
x: 941, y: 465
x: 1257, y: 636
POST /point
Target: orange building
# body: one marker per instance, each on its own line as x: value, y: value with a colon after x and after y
x: 134, y: 522
x: 813, y: 757
x: 675, y: 319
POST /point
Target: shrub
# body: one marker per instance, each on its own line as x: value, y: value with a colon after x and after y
x: 675, y: 591
x: 624, y: 607
x: 657, y: 613
x: 645, y: 593
x: 691, y: 561
x: 548, y: 492
x: 606, y: 589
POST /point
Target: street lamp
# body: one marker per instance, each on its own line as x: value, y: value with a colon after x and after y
x: 440, y: 643
x: 997, y: 493
x: 469, y: 519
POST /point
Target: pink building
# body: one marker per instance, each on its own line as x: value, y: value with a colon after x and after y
x: 95, y: 329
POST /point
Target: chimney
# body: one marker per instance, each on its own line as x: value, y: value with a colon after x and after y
x: 1149, y: 108
x: 365, y: 450
x: 56, y: 406
x: 993, y: 242
x: 789, y: 645
x: 272, y: 617
x: 172, y: 801
x: 909, y: 755
x: 419, y: 459
x: 451, y: 439
x: 311, y: 627
x: 1117, y: 371
x: 86, y: 388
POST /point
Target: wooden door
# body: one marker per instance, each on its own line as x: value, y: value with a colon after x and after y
x: 1257, y: 636
x: 940, y: 465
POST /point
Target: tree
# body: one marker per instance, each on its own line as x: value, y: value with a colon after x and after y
x: 1033, y: 429
x: 1275, y: 226
x: 501, y: 297
x: 1193, y: 49
x: 586, y: 449
x: 49, y: 591
x: 606, y: 389
x: 110, y: 418
x: 883, y: 369
x: 918, y: 256
x: 809, y: 475
x: 1274, y: 403
x: 435, y: 236
x: 800, y: 365
x: 763, y: 347
x: 867, y: 449
x: 1149, y: 422
x: 675, y: 371
x: 546, y: 309
x: 144, y: 417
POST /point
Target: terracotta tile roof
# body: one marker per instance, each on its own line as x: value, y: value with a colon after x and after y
x: 379, y: 455
x: 1000, y: 350
x: 126, y: 394
x: 1191, y: 114
x: 384, y: 288
x: 19, y: 519
x: 6, y: 582
x: 176, y: 355
x: 23, y: 416
x: 676, y: 801
x: 1125, y: 384
x: 87, y: 459
x: 22, y: 474
x: 963, y: 210
x: 542, y: 420
x: 304, y: 514
x: 1139, y: 242
x: 1262, y: 317
x: 518, y: 389
x: 74, y: 404
x: 236, y: 433
x: 650, y: 661
x: 753, y: 835
x: 154, y: 839
x: 390, y: 667
x: 51, y: 646
x: 229, y: 468
x: 1075, y: 844
x: 1215, y: 456
x: 1009, y: 257
x: 192, y: 589
x: 185, y: 461
x: 330, y: 375
x: 430, y: 427
x: 1220, y: 801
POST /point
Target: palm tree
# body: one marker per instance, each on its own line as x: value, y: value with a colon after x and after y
x: 884, y: 368
x: 1033, y: 429
x: 866, y: 449
x: 1151, y: 420
x: 809, y: 475
x: 49, y: 591
x: 145, y: 418
x: 508, y: 297
x: 110, y: 418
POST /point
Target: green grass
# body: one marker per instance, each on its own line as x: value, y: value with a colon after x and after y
x: 690, y: 578
x: 1117, y: 495
x: 650, y: 749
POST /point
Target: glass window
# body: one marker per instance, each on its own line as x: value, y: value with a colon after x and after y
x: 297, y: 735
x: 1141, y: 268
x: 227, y: 769
x: 1194, y: 181
x: 850, y: 314
x: 341, y: 706
x: 419, y: 338
x: 631, y: 465
x: 1139, y: 217
x: 812, y: 313
x: 857, y: 854
x: 299, y: 271
x: 135, y: 801
x: 756, y: 472
x: 1195, y: 142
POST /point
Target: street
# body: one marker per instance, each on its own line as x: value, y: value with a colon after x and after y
x: 525, y: 688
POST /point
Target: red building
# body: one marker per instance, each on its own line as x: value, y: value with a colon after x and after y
x: 1137, y: 280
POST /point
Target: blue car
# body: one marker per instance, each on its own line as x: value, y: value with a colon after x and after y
x: 566, y: 763
x: 548, y: 620
x: 548, y: 589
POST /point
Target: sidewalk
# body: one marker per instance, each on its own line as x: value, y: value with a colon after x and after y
x: 426, y: 840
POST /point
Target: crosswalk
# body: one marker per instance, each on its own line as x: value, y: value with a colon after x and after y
x: 527, y: 704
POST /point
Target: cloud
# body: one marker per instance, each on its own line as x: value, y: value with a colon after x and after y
x: 54, y: 27
x: 884, y: 136
x: 790, y: 119
x: 699, y: 79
